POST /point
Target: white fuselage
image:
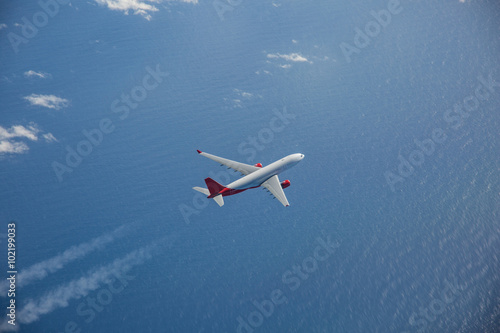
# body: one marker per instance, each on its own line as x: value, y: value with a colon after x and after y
x: 260, y: 176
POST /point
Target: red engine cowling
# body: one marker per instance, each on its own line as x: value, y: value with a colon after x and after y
x: 285, y: 183
x: 258, y: 165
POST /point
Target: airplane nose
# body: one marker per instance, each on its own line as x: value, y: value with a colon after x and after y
x: 301, y: 156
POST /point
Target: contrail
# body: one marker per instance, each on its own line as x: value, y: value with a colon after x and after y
x: 42, y: 269
x: 78, y: 288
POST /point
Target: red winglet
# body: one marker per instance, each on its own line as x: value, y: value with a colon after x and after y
x: 199, y: 151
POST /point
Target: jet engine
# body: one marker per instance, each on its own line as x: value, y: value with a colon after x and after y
x: 285, y: 183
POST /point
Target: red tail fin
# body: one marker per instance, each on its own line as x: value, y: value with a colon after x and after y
x: 213, y: 186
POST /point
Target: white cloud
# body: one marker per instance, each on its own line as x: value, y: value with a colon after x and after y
x: 12, y: 147
x: 3, y: 26
x: 49, y: 137
x: 32, y: 73
x: 237, y: 103
x: 295, y: 57
x: 243, y: 93
x: 138, y: 7
x: 9, y: 138
x: 19, y: 131
x: 48, y: 101
x: 263, y: 71
x: 239, y: 97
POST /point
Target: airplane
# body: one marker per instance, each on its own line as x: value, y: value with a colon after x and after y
x: 254, y: 176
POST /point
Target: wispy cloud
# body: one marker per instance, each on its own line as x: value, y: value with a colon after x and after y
x: 263, y: 71
x: 137, y: 7
x: 243, y: 94
x: 32, y: 73
x: 8, y: 147
x: 294, y: 57
x: 277, y: 59
x: 3, y: 26
x: 52, y: 265
x: 19, y: 131
x: 48, y: 101
x: 239, y: 96
x: 49, y: 137
x: 9, y: 138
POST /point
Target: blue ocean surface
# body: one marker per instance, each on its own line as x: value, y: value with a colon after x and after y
x: 393, y: 224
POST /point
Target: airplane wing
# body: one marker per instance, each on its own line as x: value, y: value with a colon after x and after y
x: 245, y: 169
x: 273, y: 185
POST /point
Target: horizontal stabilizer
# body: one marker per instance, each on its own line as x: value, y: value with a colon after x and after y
x: 218, y: 199
x: 202, y: 190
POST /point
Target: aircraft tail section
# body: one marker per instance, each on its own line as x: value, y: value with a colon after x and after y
x: 218, y: 198
x: 213, y: 186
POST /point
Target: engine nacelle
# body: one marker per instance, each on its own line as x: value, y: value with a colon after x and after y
x: 285, y: 183
x: 258, y: 165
